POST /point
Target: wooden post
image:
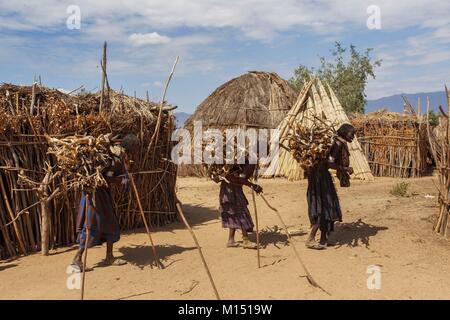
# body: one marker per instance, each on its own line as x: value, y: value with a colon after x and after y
x: 86, y: 244
x: 45, y: 214
x: 33, y: 98
x: 45, y: 224
x: 103, y: 65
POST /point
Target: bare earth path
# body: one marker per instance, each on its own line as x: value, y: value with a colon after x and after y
x: 378, y: 229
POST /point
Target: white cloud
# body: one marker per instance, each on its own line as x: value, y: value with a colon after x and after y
x: 257, y: 19
x: 141, y: 39
x: 138, y: 32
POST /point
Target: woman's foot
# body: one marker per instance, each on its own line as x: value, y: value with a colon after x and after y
x: 247, y: 244
x: 77, y: 267
x: 111, y: 261
x: 311, y: 244
x: 232, y: 244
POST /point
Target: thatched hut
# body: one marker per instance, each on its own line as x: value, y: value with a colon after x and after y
x: 395, y: 144
x: 256, y: 99
x: 253, y: 100
x: 315, y: 103
x: 28, y: 114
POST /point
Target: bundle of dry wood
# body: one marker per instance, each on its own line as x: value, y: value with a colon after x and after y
x: 218, y: 172
x: 310, y: 145
x: 83, y: 159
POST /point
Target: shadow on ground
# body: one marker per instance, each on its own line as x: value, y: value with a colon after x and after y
x: 196, y: 215
x: 355, y: 233
x: 274, y: 236
x: 142, y: 255
x: 7, y: 266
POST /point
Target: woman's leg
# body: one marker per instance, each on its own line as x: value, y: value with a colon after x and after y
x: 109, y: 250
x: 311, y: 242
x: 247, y: 244
x: 312, y: 234
x: 231, y: 241
x: 77, y: 260
x: 323, y: 237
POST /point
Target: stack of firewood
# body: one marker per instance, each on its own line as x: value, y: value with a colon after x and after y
x: 310, y: 145
x: 82, y: 159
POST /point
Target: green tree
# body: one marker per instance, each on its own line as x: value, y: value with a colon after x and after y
x: 347, y: 76
x: 433, y: 118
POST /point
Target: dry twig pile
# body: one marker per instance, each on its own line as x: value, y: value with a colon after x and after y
x: 84, y: 159
x: 310, y: 145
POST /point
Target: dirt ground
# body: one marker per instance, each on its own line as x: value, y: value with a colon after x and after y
x: 394, y: 233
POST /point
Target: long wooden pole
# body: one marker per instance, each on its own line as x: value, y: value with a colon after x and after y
x: 136, y: 193
x: 103, y: 65
x: 86, y: 243
x: 308, y: 275
x: 180, y: 211
x: 257, y: 228
x: 154, y: 138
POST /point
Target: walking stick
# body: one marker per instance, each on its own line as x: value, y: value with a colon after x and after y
x: 257, y: 228
x: 86, y: 242
x: 308, y: 275
x: 180, y: 211
x: 136, y: 194
x: 155, y: 255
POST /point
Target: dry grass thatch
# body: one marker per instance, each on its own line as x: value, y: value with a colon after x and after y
x: 395, y: 144
x: 253, y: 100
x: 29, y: 114
x: 315, y: 103
x: 256, y: 99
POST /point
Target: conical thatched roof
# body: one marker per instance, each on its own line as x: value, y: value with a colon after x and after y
x: 316, y: 101
x: 255, y: 99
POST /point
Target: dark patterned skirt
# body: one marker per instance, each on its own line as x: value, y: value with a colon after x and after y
x: 102, y: 222
x: 234, y: 208
x: 323, y: 202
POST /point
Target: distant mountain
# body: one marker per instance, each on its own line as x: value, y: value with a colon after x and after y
x: 181, y: 118
x: 395, y: 103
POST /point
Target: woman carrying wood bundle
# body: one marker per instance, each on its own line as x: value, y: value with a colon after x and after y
x: 233, y: 204
x: 323, y: 203
x: 102, y: 222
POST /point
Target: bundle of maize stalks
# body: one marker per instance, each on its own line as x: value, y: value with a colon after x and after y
x: 310, y: 145
x: 83, y: 159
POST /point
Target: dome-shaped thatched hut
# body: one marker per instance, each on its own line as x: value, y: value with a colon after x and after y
x: 255, y: 99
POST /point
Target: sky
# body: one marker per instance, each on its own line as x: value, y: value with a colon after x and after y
x: 61, y: 41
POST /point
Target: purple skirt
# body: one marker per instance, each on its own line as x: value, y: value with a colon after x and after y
x: 233, y: 208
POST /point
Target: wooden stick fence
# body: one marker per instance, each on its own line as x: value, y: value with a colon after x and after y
x: 395, y: 145
x: 23, y: 151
